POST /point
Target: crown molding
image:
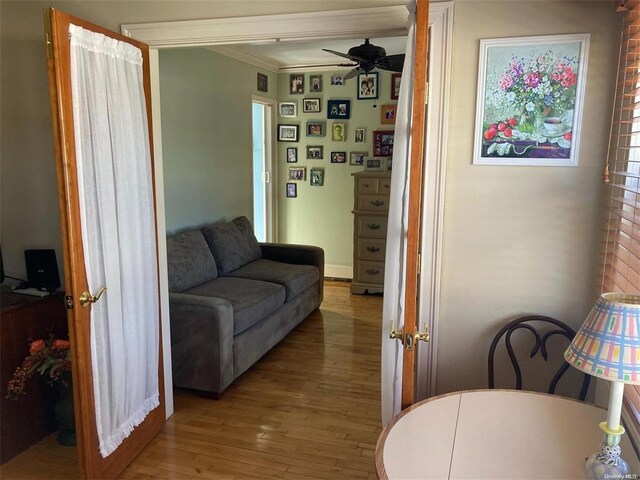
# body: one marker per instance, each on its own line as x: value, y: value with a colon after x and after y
x: 362, y: 22
x: 246, y: 57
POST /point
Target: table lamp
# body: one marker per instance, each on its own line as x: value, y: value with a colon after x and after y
x: 607, y: 346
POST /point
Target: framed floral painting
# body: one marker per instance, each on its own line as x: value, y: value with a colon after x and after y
x: 530, y: 96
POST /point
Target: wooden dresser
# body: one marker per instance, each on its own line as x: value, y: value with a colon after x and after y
x: 371, y: 208
x: 28, y: 419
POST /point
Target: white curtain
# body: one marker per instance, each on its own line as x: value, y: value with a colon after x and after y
x: 395, y: 259
x: 118, y: 229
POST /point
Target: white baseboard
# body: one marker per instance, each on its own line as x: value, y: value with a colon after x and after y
x: 338, y: 271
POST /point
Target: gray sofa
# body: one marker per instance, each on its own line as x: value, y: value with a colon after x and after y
x: 232, y: 299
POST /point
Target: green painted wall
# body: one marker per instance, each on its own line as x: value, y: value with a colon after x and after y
x: 206, y: 135
x: 322, y: 215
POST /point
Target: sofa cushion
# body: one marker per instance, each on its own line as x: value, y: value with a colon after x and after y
x: 233, y: 244
x: 189, y: 260
x: 251, y: 300
x: 294, y: 278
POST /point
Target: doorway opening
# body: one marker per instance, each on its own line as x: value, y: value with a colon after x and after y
x: 262, y: 135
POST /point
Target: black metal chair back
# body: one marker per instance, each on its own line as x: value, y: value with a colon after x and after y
x: 540, y: 344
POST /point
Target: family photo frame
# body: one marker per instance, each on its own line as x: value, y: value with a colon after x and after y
x: 367, y: 86
x: 287, y: 133
x: 339, y: 109
x: 298, y: 173
x: 311, y: 105
x: 395, y: 85
x: 292, y: 190
x: 316, y: 177
x: 296, y: 84
x: 315, y: 152
x: 338, y: 132
x: 316, y: 129
x: 315, y: 83
x: 357, y: 158
x: 530, y: 100
x: 288, y: 109
x: 292, y: 154
x: 383, y: 143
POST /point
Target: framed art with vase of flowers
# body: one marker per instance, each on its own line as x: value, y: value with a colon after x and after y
x: 530, y: 97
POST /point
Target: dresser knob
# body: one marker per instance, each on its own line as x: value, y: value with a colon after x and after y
x: 373, y: 249
x: 373, y: 226
x: 373, y: 271
x: 377, y: 203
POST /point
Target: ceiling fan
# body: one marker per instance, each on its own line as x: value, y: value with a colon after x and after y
x: 369, y: 57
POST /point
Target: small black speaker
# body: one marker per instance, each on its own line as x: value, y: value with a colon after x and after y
x: 42, y: 269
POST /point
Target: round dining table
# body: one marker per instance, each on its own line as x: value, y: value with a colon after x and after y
x: 493, y: 434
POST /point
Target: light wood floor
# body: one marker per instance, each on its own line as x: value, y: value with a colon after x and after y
x: 310, y: 408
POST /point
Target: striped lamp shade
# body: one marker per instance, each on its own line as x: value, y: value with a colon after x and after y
x: 608, y: 343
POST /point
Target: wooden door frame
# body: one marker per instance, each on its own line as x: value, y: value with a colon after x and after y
x: 91, y: 462
x: 365, y: 22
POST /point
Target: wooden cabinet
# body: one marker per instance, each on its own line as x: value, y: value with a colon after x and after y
x: 371, y: 209
x: 26, y: 420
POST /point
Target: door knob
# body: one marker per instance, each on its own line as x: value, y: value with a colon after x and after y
x: 395, y: 334
x: 86, y: 298
x: 413, y: 338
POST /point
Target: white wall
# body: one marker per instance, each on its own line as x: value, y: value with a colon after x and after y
x: 206, y: 136
x: 322, y: 215
x: 28, y: 191
x: 520, y: 240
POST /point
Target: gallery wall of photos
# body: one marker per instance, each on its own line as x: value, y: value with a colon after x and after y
x: 328, y: 126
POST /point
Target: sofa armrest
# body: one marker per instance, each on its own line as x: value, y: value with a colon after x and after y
x: 299, y: 255
x: 201, y: 342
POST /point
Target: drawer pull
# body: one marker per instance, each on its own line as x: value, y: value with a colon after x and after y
x: 377, y: 203
x: 372, y: 271
x: 373, y: 226
x: 373, y: 249
x: 365, y: 185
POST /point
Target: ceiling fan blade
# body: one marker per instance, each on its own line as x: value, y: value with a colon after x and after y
x: 345, y: 55
x: 353, y: 73
x: 393, y: 63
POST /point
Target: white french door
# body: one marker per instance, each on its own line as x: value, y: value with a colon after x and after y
x: 262, y: 171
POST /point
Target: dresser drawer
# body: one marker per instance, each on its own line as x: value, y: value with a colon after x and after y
x: 370, y: 249
x: 373, y: 203
x: 370, y: 272
x: 370, y: 226
x: 367, y: 186
x: 384, y: 186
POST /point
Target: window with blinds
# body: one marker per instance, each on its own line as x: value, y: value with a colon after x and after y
x: 621, y: 256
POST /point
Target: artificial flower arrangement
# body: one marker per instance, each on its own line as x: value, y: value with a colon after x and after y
x: 50, y: 357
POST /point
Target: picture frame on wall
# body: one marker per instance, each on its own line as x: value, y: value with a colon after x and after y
x: 357, y: 158
x: 297, y: 174
x: 315, y: 152
x: 316, y: 177
x: 311, y: 105
x: 375, y: 164
x: 338, y: 132
x: 339, y: 109
x: 296, y: 84
x: 287, y: 133
x: 388, y: 113
x: 316, y: 129
x: 530, y: 99
x: 292, y: 190
x: 263, y: 82
x: 367, y: 86
x: 315, y: 83
x: 337, y: 80
x: 338, y: 157
x: 383, y: 143
x: 395, y: 85
x: 360, y: 135
x: 287, y: 109
x: 292, y: 154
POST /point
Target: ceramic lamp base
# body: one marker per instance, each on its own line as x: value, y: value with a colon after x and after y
x: 606, y: 464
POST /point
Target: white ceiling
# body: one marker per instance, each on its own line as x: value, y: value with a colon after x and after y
x: 287, y: 55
